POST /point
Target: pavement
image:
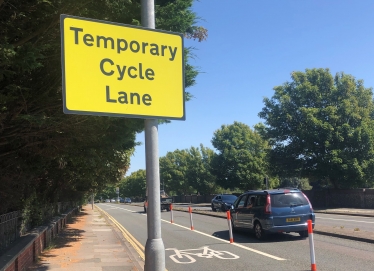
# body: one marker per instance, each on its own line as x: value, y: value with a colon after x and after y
x: 93, y: 242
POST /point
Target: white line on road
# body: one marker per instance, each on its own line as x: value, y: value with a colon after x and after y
x: 345, y: 220
x: 222, y: 240
x: 235, y: 244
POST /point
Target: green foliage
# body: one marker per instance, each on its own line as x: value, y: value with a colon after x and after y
x: 173, y: 171
x: 134, y: 185
x: 62, y: 157
x: 198, y: 173
x: 302, y: 184
x: 321, y: 127
x: 241, y: 161
x: 188, y: 171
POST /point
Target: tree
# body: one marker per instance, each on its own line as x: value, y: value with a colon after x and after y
x: 321, y: 127
x: 173, y: 171
x: 199, y: 174
x: 188, y: 171
x: 134, y: 185
x: 302, y: 184
x: 241, y: 160
x: 43, y: 152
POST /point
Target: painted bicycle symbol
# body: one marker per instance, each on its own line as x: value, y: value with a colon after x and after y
x: 186, y: 256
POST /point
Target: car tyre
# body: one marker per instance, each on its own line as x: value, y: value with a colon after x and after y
x: 234, y: 229
x: 259, y: 232
x: 303, y: 234
x: 213, y: 209
x: 145, y: 210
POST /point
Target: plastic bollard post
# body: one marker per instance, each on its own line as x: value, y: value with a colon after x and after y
x: 190, y: 211
x: 311, y: 246
x: 171, y: 214
x: 230, y: 227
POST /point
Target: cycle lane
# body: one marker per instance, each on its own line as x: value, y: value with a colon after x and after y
x: 331, y: 253
x: 180, y: 240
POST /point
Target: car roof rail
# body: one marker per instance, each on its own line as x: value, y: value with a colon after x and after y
x: 289, y: 188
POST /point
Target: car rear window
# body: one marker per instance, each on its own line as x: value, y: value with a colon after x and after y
x: 287, y: 200
x: 229, y: 197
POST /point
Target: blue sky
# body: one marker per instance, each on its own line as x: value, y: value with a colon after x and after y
x: 254, y: 46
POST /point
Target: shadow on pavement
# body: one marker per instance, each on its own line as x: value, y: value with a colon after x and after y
x: 64, y: 239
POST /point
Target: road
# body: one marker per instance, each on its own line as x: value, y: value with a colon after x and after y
x: 279, y: 252
x: 338, y: 221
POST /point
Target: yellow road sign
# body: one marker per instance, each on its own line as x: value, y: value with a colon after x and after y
x: 114, y: 69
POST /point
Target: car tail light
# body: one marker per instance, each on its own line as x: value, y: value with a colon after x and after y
x: 268, y: 205
x: 310, y: 205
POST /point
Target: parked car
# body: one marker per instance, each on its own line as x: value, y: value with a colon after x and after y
x: 121, y: 200
x: 128, y: 200
x: 272, y: 211
x: 107, y: 200
x: 223, y: 202
x: 112, y: 200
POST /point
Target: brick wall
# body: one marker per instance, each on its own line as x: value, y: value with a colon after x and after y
x: 26, y: 251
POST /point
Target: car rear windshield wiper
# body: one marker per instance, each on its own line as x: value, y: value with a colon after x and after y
x: 295, y: 205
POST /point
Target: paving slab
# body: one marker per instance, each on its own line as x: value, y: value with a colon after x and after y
x: 89, y: 243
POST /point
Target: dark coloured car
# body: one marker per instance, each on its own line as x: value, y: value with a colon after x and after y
x: 121, y: 200
x: 127, y: 200
x: 223, y: 202
x: 272, y: 211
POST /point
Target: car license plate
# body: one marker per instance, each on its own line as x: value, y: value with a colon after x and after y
x: 293, y: 219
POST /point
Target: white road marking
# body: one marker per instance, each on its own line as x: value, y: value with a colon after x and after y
x: 228, y: 242
x: 202, y: 252
x: 348, y: 220
x: 225, y: 241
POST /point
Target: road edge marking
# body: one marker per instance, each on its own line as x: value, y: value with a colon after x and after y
x: 202, y: 233
x: 131, y: 239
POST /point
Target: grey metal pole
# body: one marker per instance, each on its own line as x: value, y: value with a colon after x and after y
x: 154, y: 248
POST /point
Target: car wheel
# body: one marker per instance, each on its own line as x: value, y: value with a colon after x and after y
x: 145, y: 210
x: 303, y: 234
x: 234, y: 229
x: 259, y: 232
x: 213, y: 209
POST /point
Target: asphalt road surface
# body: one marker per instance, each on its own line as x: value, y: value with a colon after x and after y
x: 347, y: 222
x: 207, y: 247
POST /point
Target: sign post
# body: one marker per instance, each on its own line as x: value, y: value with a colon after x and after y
x: 112, y: 69
x: 154, y: 248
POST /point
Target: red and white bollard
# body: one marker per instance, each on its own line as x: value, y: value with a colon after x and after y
x: 190, y: 211
x: 171, y: 214
x: 230, y: 227
x: 311, y: 245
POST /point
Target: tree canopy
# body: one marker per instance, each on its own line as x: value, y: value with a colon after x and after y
x: 134, y: 185
x: 188, y: 171
x: 43, y: 152
x: 321, y: 127
x: 241, y: 159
